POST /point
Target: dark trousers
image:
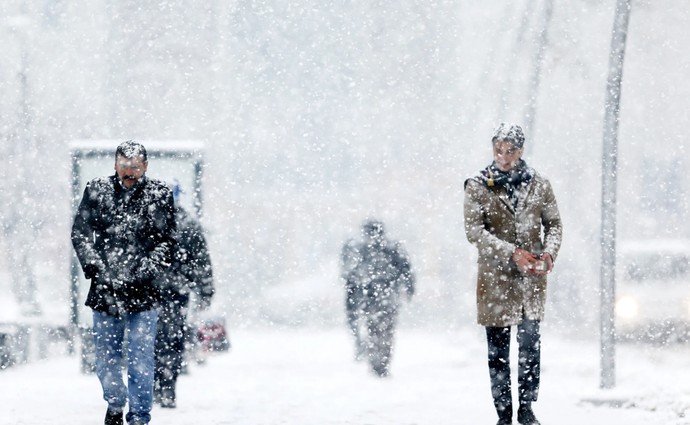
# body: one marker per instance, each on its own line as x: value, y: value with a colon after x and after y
x: 353, y: 299
x: 529, y: 353
x: 381, y: 330
x: 170, y: 345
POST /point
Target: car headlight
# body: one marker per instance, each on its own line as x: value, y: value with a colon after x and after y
x: 627, y: 307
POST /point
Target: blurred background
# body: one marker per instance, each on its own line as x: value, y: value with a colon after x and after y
x: 316, y: 114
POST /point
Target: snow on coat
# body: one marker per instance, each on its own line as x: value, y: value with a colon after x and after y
x: 191, y: 268
x: 124, y: 239
x: 497, y: 229
x: 376, y: 273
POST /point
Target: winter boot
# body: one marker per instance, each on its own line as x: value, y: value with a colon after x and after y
x: 525, y: 415
x: 113, y: 418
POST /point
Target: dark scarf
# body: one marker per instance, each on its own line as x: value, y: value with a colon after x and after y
x: 511, y: 180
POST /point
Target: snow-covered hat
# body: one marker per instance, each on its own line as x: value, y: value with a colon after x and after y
x: 510, y: 133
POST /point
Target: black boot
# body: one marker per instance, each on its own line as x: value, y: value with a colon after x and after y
x: 113, y: 418
x: 525, y: 415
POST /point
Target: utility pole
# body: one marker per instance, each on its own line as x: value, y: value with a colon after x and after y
x: 20, y: 216
x: 537, y: 65
x: 608, y: 194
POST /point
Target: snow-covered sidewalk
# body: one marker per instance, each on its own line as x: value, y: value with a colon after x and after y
x: 309, y: 377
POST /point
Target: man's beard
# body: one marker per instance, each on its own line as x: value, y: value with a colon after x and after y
x: 132, y: 179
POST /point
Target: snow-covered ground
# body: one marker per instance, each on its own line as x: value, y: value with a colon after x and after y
x: 308, y: 376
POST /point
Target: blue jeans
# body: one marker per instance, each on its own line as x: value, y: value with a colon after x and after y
x: 109, y: 337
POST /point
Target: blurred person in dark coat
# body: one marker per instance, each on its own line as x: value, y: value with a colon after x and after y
x: 123, y: 235
x: 350, y: 259
x: 376, y: 270
x: 511, y: 216
x: 190, y: 273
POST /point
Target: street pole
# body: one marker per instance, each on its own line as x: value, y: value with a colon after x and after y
x: 18, y: 225
x: 537, y: 65
x: 608, y: 194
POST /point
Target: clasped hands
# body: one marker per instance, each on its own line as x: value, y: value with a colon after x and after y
x: 528, y: 263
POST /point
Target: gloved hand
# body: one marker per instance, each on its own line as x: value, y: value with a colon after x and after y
x: 145, y: 270
x: 158, y: 258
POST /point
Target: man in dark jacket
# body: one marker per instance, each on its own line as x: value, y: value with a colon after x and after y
x: 123, y: 236
x: 376, y: 271
x: 190, y: 271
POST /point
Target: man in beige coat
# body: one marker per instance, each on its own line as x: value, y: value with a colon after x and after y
x: 511, y: 216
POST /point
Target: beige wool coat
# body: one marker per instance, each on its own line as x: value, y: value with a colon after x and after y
x: 497, y: 229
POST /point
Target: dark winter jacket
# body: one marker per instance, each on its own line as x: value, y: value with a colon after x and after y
x: 379, y: 272
x: 124, y: 238
x: 191, y: 266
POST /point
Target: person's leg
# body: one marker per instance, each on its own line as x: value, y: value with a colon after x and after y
x: 529, y: 342
x: 354, y: 321
x: 141, y: 328
x: 498, y: 344
x: 381, y: 330
x: 174, y: 355
x: 161, y: 351
x: 352, y: 310
x: 108, y: 335
x: 170, y: 341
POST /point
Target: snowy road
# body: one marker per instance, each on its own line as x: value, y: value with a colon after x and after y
x: 308, y: 377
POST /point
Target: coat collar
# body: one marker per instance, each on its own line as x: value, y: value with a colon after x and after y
x: 523, y: 193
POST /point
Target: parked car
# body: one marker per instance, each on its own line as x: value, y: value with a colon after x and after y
x: 653, y: 290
